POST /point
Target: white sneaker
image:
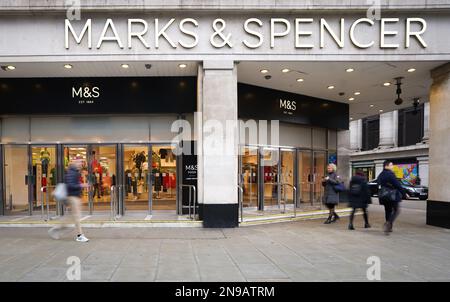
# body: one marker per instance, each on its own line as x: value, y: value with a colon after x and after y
x: 81, y: 238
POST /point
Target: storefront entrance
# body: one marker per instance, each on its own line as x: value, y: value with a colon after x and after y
x: 270, y: 186
x: 117, y: 178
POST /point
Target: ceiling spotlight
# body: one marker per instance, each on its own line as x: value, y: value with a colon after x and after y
x: 351, y: 99
x: 372, y: 105
x: 349, y: 70
x: 381, y: 110
x: 300, y: 80
x: 351, y: 118
x: 330, y: 87
x: 264, y: 71
x: 125, y: 66
x: 411, y: 70
x: 285, y: 70
x: 68, y: 66
x: 357, y: 93
x: 398, y: 83
x: 387, y: 84
x: 182, y: 65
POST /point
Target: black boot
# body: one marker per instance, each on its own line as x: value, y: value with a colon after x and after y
x: 328, y: 221
x: 367, y: 225
x: 350, y: 226
x: 335, y: 217
x: 366, y: 220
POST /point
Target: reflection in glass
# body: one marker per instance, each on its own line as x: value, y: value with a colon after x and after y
x: 249, y: 176
x: 270, y: 176
x: 16, y: 171
x: 164, y: 173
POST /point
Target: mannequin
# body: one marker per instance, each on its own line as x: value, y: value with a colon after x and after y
x: 45, y: 160
x: 139, y: 159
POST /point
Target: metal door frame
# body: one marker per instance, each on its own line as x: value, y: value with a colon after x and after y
x: 314, y: 152
x: 309, y: 177
x: 294, y: 170
x: 240, y: 167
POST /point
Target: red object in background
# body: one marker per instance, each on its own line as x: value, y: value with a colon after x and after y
x: 44, y: 183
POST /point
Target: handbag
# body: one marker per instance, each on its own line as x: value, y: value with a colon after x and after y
x: 340, y: 187
x: 60, y: 192
x: 386, y: 194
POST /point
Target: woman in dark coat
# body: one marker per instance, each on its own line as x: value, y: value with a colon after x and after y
x: 359, y: 198
x: 330, y: 196
x: 387, y: 179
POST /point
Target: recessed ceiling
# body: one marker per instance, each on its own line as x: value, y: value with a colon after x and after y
x: 367, y: 78
x: 101, y: 69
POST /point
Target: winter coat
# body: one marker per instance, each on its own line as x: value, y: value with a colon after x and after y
x: 330, y: 196
x: 358, y: 193
x: 387, y: 179
x: 72, y: 181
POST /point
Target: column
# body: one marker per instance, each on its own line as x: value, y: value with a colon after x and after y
x: 426, y: 122
x: 423, y: 170
x: 386, y: 130
x: 438, y: 205
x: 378, y: 167
x: 218, y: 161
x: 359, y: 134
x: 343, y: 155
x: 354, y: 135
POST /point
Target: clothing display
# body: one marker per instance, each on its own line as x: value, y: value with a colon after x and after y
x: 45, y: 160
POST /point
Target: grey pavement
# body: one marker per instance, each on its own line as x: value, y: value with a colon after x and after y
x: 288, y: 251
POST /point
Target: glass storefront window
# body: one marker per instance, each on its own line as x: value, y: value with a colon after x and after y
x: 270, y: 178
x: 135, y: 165
x: 249, y: 176
x: 44, y: 175
x: 16, y: 179
x: 164, y: 174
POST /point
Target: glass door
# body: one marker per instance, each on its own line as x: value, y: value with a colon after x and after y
x: 102, y: 175
x: 80, y: 152
x: 270, y: 161
x: 287, y: 175
x: 44, y: 175
x: 18, y: 180
x: 305, y: 177
x: 320, y: 159
x: 249, y: 176
x: 137, y: 185
x: 164, y: 176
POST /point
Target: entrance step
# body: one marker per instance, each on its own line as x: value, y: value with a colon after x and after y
x: 276, y: 218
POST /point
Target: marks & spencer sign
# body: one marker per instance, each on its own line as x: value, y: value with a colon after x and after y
x: 249, y: 33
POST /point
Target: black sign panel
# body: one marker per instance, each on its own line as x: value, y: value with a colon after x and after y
x: 268, y: 104
x: 189, y: 174
x: 98, y: 95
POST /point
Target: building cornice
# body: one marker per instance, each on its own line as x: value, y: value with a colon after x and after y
x: 23, y: 6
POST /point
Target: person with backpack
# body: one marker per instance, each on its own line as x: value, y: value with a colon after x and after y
x: 359, y: 197
x: 333, y: 186
x: 390, y: 194
x: 74, y: 188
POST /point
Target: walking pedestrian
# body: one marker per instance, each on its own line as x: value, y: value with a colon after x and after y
x: 331, y: 194
x: 390, y: 195
x: 74, y: 188
x: 359, y: 197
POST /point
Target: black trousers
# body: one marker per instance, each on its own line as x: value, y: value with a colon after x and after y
x: 365, y: 214
x: 391, y: 211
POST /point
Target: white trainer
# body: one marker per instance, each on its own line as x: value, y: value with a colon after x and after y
x: 81, y: 238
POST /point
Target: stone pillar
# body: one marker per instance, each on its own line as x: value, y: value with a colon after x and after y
x: 378, y: 167
x: 423, y: 170
x: 386, y: 130
x: 218, y: 161
x: 343, y: 155
x: 359, y: 134
x: 438, y: 205
x: 354, y: 136
x: 426, y: 122
x: 395, y: 127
